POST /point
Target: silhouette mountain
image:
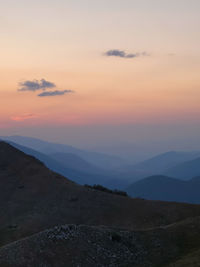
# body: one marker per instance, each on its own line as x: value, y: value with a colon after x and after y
x: 98, y: 159
x: 74, y: 167
x: 162, y: 162
x: 166, y: 189
x: 185, y: 170
x: 48, y: 220
x: 75, y: 162
x: 156, y: 165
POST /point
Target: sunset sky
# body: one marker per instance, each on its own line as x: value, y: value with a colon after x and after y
x: 80, y: 70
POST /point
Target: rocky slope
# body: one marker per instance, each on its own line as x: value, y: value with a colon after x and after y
x: 72, y: 245
x: 34, y: 199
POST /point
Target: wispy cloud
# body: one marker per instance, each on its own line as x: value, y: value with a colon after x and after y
x: 42, y: 85
x: 35, y: 85
x: 23, y: 117
x: 123, y: 54
x: 55, y: 93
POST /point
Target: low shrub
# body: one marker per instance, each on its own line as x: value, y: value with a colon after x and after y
x: 104, y: 189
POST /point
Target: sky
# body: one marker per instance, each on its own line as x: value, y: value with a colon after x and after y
x: 92, y: 73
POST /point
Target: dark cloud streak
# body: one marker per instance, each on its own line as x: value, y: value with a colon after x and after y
x: 42, y: 85
x: 55, y: 93
x: 123, y: 54
x: 35, y: 85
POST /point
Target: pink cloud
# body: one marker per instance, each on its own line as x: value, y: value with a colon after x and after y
x: 23, y: 117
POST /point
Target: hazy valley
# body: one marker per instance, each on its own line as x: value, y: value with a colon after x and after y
x: 48, y: 220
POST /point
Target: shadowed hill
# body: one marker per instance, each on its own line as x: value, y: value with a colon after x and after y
x: 189, y: 260
x: 98, y: 159
x: 33, y: 198
x: 73, y: 167
x: 74, y: 161
x: 72, y: 245
x: 166, y: 189
x: 162, y: 162
x: 158, y: 165
x: 185, y: 170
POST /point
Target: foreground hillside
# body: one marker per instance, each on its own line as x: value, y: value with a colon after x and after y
x: 34, y: 199
x: 71, y: 245
x: 190, y: 260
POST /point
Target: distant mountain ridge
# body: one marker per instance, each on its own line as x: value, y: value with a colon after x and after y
x: 157, y: 165
x: 166, y: 189
x: 73, y: 161
x: 83, y: 175
x: 48, y: 220
x: 167, y: 160
x: 41, y: 197
x: 185, y: 170
x: 99, y: 159
x: 92, y: 167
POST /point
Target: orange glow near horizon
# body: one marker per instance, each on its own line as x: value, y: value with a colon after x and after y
x: 162, y: 85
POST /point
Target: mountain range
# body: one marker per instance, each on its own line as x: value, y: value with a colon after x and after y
x: 101, y: 160
x: 185, y: 170
x: 170, y: 163
x: 166, y: 189
x: 175, y: 164
x: 48, y: 220
x: 161, y: 163
x: 70, y: 165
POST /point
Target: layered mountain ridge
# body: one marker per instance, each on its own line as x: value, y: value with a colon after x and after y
x: 42, y: 212
x: 166, y: 188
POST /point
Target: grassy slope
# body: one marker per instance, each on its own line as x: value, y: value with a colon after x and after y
x: 190, y: 260
x: 34, y: 199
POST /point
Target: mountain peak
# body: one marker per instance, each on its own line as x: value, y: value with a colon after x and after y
x: 14, y: 159
x: 34, y: 199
